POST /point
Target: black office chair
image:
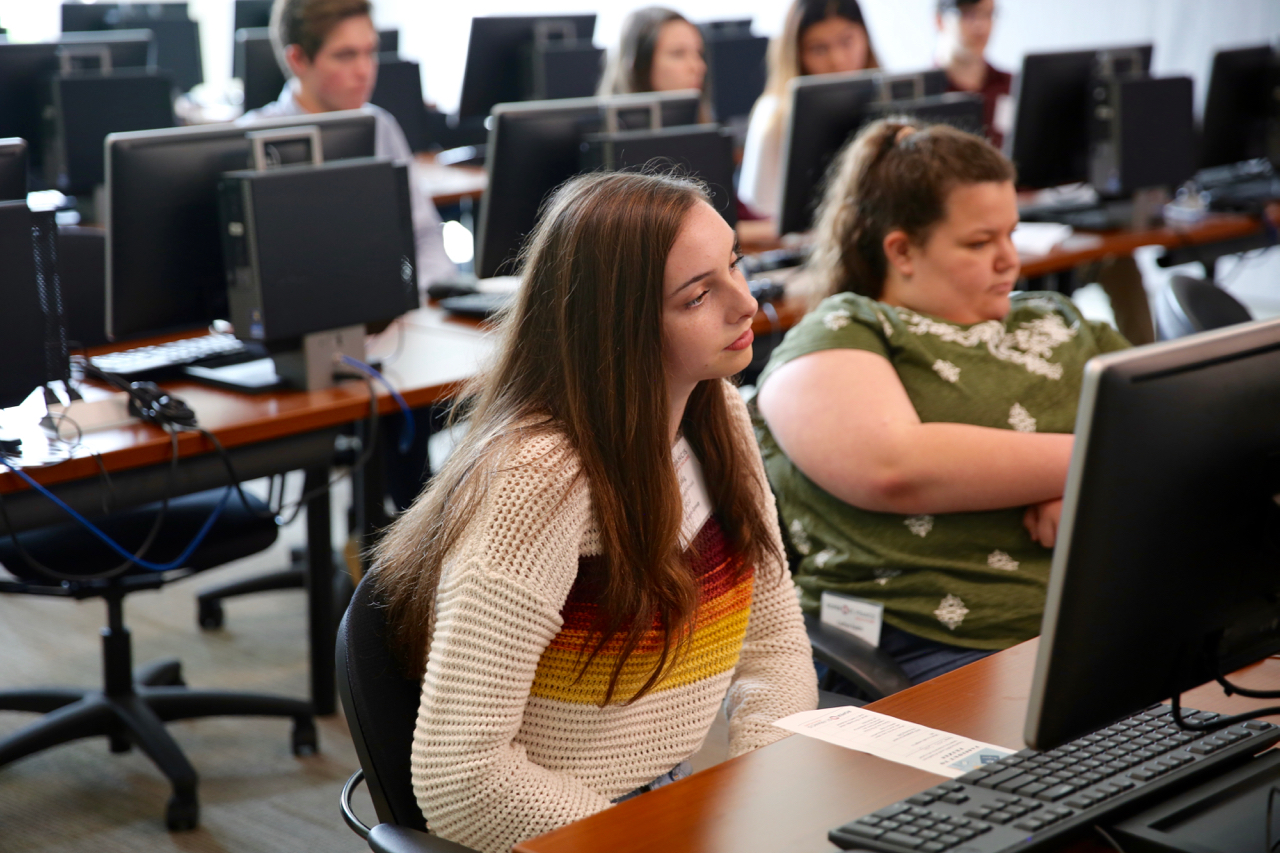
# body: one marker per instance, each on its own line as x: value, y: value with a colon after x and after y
x: 381, y: 707
x: 1189, y: 305
x: 133, y: 706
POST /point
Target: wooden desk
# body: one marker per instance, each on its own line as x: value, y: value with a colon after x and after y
x: 264, y: 434
x: 448, y: 184
x: 784, y: 798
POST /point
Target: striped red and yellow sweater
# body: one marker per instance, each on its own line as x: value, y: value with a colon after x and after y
x: 510, y: 741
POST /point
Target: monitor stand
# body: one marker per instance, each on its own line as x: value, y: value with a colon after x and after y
x: 312, y: 367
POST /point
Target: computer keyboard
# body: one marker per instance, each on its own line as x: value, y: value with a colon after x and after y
x: 774, y: 259
x: 163, y: 360
x: 1031, y: 799
x: 1086, y: 216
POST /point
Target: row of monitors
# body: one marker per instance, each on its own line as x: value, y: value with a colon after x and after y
x: 177, y: 37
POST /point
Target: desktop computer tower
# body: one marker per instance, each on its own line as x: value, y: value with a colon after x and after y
x: 314, y: 248
x: 1141, y: 133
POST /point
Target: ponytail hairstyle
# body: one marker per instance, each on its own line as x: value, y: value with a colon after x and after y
x: 580, y: 357
x: 895, y: 175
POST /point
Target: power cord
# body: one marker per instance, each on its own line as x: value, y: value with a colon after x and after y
x: 406, y: 432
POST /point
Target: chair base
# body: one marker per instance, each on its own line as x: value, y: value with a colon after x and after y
x: 137, y: 718
x: 209, y: 612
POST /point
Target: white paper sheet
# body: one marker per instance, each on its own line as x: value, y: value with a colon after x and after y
x: 894, y: 740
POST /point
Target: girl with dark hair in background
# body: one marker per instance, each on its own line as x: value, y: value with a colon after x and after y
x: 916, y: 425
x: 598, y: 562
x: 659, y: 51
x: 818, y: 37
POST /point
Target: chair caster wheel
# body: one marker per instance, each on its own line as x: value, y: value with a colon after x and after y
x: 182, y: 815
x: 305, y: 740
x: 210, y: 616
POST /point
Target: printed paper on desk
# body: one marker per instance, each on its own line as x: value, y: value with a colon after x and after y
x: 693, y: 491
x: 895, y: 740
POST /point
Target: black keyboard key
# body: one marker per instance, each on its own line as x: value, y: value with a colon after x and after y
x: 1000, y: 778
x: 898, y: 838
x: 921, y: 800
x: 893, y: 810
x: 862, y: 830
x: 978, y: 814
x: 949, y: 840
x: 1031, y: 824
x: 1001, y: 817
x: 1056, y: 793
x: 1032, y: 789
x: 956, y: 799
x: 1258, y: 725
x: 1015, y: 783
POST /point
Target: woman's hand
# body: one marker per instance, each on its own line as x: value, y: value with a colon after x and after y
x: 1041, y: 521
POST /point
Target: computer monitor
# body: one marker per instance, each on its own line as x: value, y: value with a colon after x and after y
x: 399, y: 92
x: 86, y: 107
x: 26, y: 69
x: 1239, y: 105
x: 251, y: 13
x: 1167, y: 566
x: 85, y: 17
x: 498, y: 52
x: 164, y: 258
x: 177, y: 49
x: 704, y: 151
x: 389, y: 42
x: 826, y: 110
x: 13, y: 169
x: 735, y: 72
x: 1050, y: 139
x: 962, y: 110
x: 566, y: 69
x: 534, y: 147
x: 22, y: 318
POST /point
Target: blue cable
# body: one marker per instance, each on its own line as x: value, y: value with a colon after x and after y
x: 176, y: 563
x: 406, y: 432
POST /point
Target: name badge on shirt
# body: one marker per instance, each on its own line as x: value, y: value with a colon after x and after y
x: 693, y: 491
x: 858, y: 616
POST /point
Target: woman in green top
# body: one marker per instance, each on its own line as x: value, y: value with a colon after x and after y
x: 916, y: 425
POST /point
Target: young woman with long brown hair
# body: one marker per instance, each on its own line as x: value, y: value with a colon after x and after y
x: 598, y: 563
x: 818, y: 37
x: 916, y: 425
x: 659, y: 50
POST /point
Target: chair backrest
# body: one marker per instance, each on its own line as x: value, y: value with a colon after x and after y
x: 1190, y: 305
x: 381, y: 707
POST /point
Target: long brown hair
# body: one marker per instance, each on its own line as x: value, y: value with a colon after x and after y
x: 629, y: 67
x: 783, y: 58
x: 580, y: 356
x: 895, y: 175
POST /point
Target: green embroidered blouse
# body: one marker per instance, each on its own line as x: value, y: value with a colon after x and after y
x: 972, y: 579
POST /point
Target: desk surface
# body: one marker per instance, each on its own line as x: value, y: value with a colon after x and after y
x: 435, y: 355
x: 784, y: 798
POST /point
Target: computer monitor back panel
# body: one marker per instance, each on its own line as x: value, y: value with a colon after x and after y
x: 13, y: 169
x: 494, y: 72
x: 962, y: 110
x: 164, y: 255
x: 1170, y: 531
x: 87, y: 107
x: 735, y: 73
x: 257, y: 68
x: 703, y: 151
x: 824, y: 114
x: 399, y: 92
x: 534, y: 147
x: 21, y: 319
x: 251, y: 13
x: 1050, y: 139
x: 1239, y: 105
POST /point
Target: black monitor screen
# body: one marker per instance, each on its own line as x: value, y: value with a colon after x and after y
x: 21, y: 319
x: 257, y: 68
x: 1168, y: 554
x: 13, y: 169
x: 735, y: 73
x: 89, y: 106
x: 86, y: 17
x: 1238, y: 107
x: 703, y: 151
x: 399, y: 92
x: 497, y: 51
x: 826, y: 111
x: 164, y: 253
x: 26, y: 71
x: 251, y: 13
x: 535, y: 147
x: 1050, y: 139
